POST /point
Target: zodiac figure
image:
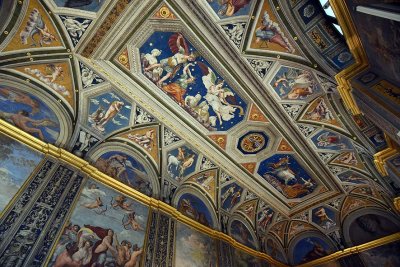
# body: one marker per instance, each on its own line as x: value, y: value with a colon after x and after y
x: 172, y: 64
x: 178, y: 88
x: 36, y: 26
x: 217, y: 96
x: 230, y: 191
x: 145, y: 140
x: 114, y: 108
x: 321, y: 112
x: 181, y: 162
x: 301, y: 84
x: 324, y: 219
x: 270, y: 32
x: 328, y: 139
x: 282, y: 170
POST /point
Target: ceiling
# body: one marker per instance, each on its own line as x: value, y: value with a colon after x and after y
x: 233, y: 108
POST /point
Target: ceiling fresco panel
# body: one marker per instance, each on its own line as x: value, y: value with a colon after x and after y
x: 209, y: 106
x: 108, y: 112
x: 36, y: 30
x: 287, y: 176
x: 174, y: 65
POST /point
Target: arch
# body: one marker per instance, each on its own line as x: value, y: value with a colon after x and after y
x: 368, y: 224
x: 50, y: 118
x: 112, y: 159
x: 190, y: 202
x: 309, y: 246
x: 271, y: 246
x: 240, y: 230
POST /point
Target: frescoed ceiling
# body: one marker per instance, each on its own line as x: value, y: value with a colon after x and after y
x: 227, y: 112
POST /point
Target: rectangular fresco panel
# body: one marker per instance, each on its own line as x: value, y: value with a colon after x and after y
x: 194, y: 248
x: 106, y: 228
x: 17, y: 162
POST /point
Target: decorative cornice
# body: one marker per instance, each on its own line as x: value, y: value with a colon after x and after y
x: 94, y: 173
x: 381, y: 157
x: 353, y: 250
x: 344, y: 77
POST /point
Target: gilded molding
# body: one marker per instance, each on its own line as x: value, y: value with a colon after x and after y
x: 381, y: 157
x: 344, y: 77
x: 396, y: 203
x: 353, y: 250
x: 92, y: 172
x: 155, y: 204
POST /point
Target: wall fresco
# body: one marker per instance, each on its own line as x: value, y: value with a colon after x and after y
x: 241, y: 234
x: 369, y: 227
x: 17, y: 162
x: 387, y: 255
x: 174, y: 65
x: 125, y: 169
x: 242, y: 259
x: 194, y: 248
x: 103, y: 230
x: 310, y: 248
x: 194, y: 208
x: 29, y: 113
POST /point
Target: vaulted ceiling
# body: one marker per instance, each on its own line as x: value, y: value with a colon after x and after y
x: 231, y: 107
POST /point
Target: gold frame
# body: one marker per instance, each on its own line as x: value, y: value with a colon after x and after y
x: 155, y: 204
x: 353, y: 40
x: 82, y: 165
x: 353, y: 250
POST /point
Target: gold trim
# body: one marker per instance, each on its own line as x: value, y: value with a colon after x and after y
x: 353, y: 250
x: 396, y: 203
x: 344, y: 77
x: 158, y: 205
x: 381, y: 157
x: 92, y: 172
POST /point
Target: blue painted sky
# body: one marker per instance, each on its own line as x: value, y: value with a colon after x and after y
x: 198, y: 205
x: 17, y: 162
x: 90, y: 5
x: 159, y: 40
x: 216, y: 7
x: 10, y: 105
